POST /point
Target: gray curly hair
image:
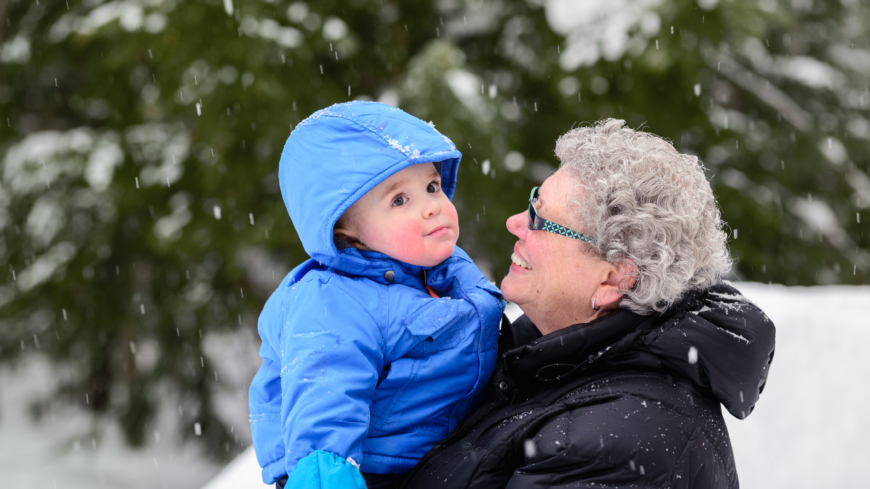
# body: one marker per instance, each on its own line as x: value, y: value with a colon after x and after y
x: 648, y: 204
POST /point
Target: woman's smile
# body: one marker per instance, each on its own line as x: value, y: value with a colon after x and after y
x: 519, y: 262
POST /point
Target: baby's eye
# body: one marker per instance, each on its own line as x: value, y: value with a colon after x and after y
x: 400, y: 200
x: 432, y: 188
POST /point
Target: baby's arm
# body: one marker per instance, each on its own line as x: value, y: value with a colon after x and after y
x: 332, y: 355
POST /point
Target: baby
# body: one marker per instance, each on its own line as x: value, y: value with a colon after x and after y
x: 380, y: 344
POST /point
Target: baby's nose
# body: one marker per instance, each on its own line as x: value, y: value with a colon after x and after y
x: 433, y: 208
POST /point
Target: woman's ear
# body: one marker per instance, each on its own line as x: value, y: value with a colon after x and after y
x: 629, y: 272
x: 621, y: 277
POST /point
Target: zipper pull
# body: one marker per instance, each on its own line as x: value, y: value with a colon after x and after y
x: 426, y: 286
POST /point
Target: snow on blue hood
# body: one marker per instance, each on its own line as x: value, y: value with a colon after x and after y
x: 341, y: 152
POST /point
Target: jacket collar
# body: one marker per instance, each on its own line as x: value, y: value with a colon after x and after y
x: 374, y: 266
x: 535, y: 360
x: 716, y: 337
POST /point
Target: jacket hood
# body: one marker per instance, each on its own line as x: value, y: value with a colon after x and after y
x: 717, y: 338
x: 341, y: 152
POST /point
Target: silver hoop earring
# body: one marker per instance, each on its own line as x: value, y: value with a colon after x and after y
x: 593, y: 304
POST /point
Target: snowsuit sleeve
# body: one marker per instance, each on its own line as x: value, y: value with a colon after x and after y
x: 332, y: 353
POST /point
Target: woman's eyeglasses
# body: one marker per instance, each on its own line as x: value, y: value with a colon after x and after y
x: 538, y: 223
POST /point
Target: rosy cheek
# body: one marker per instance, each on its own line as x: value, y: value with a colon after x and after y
x: 407, y: 239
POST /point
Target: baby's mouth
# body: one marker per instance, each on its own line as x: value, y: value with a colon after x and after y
x: 438, y: 230
x: 519, y: 261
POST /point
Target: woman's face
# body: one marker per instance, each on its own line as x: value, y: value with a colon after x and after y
x: 551, y: 278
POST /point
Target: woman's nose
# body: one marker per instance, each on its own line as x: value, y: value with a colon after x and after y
x: 516, y: 225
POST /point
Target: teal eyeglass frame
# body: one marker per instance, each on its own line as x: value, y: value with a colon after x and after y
x: 538, y: 223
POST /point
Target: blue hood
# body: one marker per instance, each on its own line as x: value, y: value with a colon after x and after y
x: 338, y: 154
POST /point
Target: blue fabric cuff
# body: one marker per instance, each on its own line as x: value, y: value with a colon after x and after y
x: 325, y: 470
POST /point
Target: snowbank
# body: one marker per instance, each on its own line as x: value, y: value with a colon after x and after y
x: 68, y: 449
x: 810, y: 427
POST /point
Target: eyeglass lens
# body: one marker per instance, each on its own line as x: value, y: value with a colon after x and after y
x: 533, y: 214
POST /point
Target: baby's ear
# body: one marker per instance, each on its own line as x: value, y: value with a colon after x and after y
x: 345, y: 239
x: 344, y: 233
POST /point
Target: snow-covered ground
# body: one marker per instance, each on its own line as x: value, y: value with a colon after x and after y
x: 67, y: 449
x: 808, y: 430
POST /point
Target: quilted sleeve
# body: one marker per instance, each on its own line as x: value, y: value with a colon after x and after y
x: 332, y: 353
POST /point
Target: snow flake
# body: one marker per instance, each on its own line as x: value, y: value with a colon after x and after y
x: 530, y: 448
x: 396, y: 145
x: 693, y: 355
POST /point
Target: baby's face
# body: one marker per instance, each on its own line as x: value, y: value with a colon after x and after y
x: 408, y: 217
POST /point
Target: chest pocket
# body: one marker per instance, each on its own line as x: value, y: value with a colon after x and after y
x: 439, y: 325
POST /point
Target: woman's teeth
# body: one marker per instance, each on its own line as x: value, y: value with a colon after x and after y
x: 519, y: 261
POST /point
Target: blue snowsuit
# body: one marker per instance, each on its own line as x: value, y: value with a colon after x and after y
x: 359, y: 361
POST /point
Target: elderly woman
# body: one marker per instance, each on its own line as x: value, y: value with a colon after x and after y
x: 630, y: 339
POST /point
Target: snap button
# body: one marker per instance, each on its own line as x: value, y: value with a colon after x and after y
x: 390, y: 276
x: 503, y: 386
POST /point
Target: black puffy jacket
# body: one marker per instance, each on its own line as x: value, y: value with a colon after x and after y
x: 623, y: 401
